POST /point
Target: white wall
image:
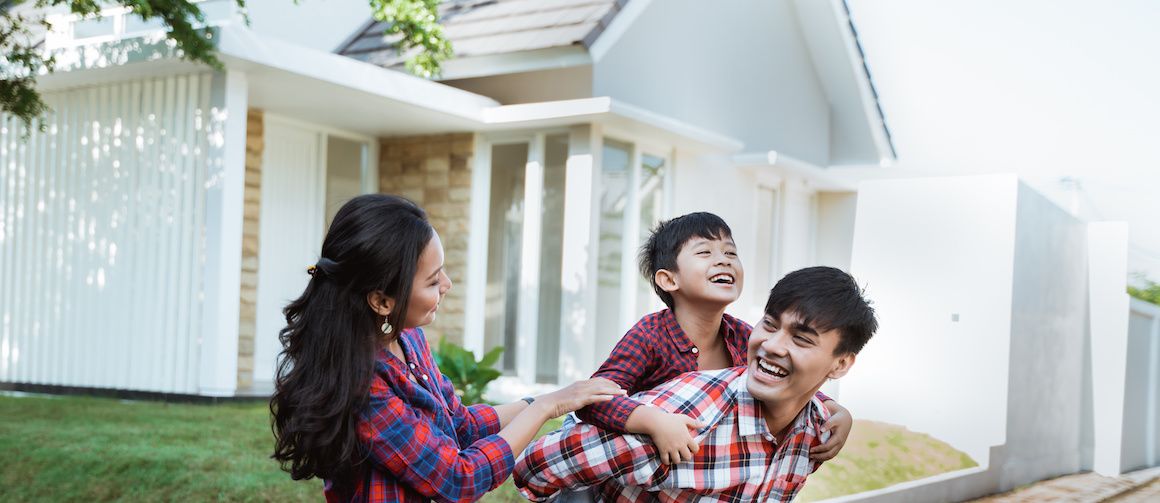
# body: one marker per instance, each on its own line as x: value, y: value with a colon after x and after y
x: 1108, y: 323
x: 835, y: 230
x: 1048, y: 414
x: 317, y: 24
x: 1141, y: 441
x: 927, y: 252
x: 103, y: 237
x: 739, y: 68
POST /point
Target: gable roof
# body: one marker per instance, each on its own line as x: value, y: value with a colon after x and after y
x: 485, y: 27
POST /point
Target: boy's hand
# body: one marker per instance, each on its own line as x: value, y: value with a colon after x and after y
x: 839, y: 427
x: 673, y: 436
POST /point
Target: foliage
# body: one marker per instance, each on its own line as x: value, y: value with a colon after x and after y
x: 21, y: 60
x: 469, y: 376
x: 1149, y: 293
x: 416, y: 22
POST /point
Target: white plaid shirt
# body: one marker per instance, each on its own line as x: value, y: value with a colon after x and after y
x: 739, y: 459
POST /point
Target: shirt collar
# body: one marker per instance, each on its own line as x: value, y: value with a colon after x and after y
x: 681, y: 339
x: 751, y: 420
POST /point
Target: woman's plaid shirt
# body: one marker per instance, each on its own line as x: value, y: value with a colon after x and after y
x: 422, y: 442
x: 739, y: 459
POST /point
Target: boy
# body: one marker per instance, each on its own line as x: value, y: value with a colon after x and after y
x: 692, y: 264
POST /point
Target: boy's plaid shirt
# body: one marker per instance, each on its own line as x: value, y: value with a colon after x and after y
x: 421, y: 442
x: 738, y: 460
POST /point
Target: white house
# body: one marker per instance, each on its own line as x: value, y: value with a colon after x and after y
x: 153, y: 232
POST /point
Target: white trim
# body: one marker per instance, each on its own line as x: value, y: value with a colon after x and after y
x: 225, y: 196
x: 578, y: 269
x: 628, y: 269
x: 620, y: 24
x: 868, y: 100
x: 758, y: 163
x: 474, y: 309
x: 488, y: 65
x: 528, y: 298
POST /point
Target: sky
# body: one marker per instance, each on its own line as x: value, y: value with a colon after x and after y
x: 1065, y: 93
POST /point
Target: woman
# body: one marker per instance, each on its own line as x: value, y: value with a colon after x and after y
x: 358, y: 400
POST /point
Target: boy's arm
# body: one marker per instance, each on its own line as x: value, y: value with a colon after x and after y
x: 630, y: 361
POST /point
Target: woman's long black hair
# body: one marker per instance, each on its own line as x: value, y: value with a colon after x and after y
x: 332, y: 335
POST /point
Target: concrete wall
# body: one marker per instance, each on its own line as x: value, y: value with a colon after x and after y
x: 1141, y: 440
x: 835, y: 234
x: 435, y: 172
x: 1048, y: 404
x: 1014, y: 363
x: 739, y: 68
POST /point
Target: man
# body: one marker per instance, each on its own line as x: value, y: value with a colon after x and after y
x: 759, y: 421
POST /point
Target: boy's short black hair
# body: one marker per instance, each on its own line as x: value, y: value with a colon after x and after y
x: 667, y: 239
x: 826, y: 299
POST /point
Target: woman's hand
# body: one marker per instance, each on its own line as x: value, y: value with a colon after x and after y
x: 576, y: 396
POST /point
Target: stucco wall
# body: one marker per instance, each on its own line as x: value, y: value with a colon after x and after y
x: 247, y: 317
x: 835, y: 235
x: 739, y: 68
x: 435, y: 172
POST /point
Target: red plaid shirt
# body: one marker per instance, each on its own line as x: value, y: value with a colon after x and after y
x: 739, y: 459
x: 655, y: 351
x: 422, y: 443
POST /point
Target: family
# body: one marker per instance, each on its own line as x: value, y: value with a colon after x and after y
x: 691, y: 405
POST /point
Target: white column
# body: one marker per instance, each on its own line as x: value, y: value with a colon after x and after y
x: 527, y: 325
x: 218, y: 359
x: 473, y: 324
x: 581, y: 237
x: 1109, y: 311
x: 628, y: 248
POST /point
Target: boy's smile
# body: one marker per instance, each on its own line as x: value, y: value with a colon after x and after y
x: 789, y: 360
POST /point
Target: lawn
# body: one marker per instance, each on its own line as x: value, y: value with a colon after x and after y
x: 93, y: 449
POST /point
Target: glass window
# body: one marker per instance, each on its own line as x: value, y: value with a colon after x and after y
x: 652, y: 203
x: 614, y: 192
x: 551, y: 259
x: 505, y: 231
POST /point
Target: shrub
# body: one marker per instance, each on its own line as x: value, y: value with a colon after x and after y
x: 469, y: 376
x: 1149, y: 293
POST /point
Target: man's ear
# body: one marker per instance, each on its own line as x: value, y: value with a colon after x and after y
x: 380, y: 303
x: 667, y: 280
x: 841, y: 366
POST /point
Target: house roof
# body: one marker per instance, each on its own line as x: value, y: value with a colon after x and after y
x: 485, y: 27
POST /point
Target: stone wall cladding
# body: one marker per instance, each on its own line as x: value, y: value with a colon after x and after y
x: 247, y: 319
x: 435, y: 172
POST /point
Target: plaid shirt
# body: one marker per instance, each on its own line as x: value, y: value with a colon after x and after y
x: 423, y: 443
x: 739, y: 459
x: 655, y: 351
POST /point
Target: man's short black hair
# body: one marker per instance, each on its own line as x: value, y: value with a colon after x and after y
x: 827, y: 299
x: 667, y: 239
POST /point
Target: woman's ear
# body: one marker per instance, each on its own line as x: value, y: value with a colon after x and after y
x: 380, y: 303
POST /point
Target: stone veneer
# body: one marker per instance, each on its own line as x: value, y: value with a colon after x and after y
x: 247, y: 318
x: 435, y: 172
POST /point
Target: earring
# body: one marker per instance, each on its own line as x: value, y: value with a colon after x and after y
x: 386, y: 328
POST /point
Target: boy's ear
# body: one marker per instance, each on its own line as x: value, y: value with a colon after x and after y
x: 380, y: 303
x: 841, y: 366
x: 667, y: 280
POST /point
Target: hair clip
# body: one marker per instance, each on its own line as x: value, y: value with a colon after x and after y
x: 311, y: 270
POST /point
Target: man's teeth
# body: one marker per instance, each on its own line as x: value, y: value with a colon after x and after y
x: 722, y: 278
x: 770, y: 368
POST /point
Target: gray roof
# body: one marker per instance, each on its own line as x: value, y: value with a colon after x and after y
x: 481, y: 27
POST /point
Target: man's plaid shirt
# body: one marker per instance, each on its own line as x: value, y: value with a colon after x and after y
x: 739, y: 459
x: 421, y: 442
x: 655, y: 351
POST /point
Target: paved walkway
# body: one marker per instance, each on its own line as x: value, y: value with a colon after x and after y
x: 1137, y: 487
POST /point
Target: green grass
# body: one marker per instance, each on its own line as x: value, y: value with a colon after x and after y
x: 878, y: 455
x: 93, y: 449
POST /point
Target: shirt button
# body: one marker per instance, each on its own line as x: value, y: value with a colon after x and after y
x: 769, y: 437
x: 412, y: 365
x: 695, y: 351
x: 424, y: 377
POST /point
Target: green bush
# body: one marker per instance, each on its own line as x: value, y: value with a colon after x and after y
x: 469, y: 376
x: 1150, y: 292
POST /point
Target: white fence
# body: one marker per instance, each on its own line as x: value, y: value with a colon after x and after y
x: 102, y: 237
